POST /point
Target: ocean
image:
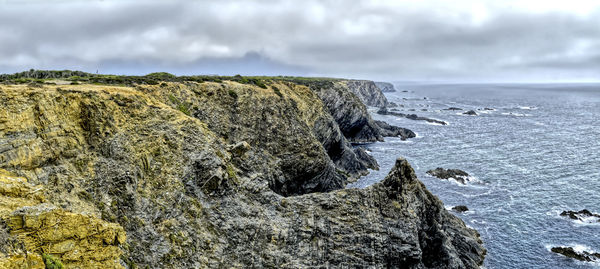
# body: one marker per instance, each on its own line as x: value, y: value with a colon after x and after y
x: 534, y: 155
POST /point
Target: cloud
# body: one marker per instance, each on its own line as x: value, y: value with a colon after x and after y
x: 459, y: 40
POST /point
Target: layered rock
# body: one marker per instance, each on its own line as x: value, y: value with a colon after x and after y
x: 349, y: 112
x: 394, y: 131
x: 197, y: 175
x: 384, y: 111
x: 385, y: 86
x: 367, y: 92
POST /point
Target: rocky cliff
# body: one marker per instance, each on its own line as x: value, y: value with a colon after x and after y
x: 368, y: 92
x: 213, y: 174
x: 385, y: 86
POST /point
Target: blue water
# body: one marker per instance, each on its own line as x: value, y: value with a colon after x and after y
x: 535, y: 155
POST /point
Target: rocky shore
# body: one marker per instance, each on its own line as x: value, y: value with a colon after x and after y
x: 210, y: 172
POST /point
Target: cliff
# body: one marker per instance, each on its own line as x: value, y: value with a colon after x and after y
x: 385, y: 86
x: 367, y: 92
x: 213, y: 174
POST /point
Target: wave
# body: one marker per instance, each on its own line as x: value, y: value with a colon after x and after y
x: 527, y: 107
x: 516, y: 114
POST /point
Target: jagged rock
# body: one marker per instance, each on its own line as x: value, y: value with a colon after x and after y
x: 392, y: 104
x: 460, y: 208
x: 453, y: 108
x: 582, y: 215
x: 240, y: 148
x: 349, y: 112
x: 487, y: 108
x: 578, y: 255
x: 458, y: 175
x: 384, y: 111
x: 155, y: 160
x: 394, y: 131
x: 367, y: 92
x: 385, y: 86
x: 471, y: 113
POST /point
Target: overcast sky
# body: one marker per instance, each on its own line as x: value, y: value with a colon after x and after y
x: 383, y: 40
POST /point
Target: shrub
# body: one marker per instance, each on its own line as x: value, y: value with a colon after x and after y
x: 233, y: 94
x: 52, y: 262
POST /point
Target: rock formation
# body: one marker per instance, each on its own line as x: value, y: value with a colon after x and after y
x: 459, y: 175
x: 470, y: 113
x: 367, y: 92
x: 384, y: 111
x: 394, y: 131
x: 578, y: 255
x: 582, y: 215
x: 212, y: 174
x: 385, y: 86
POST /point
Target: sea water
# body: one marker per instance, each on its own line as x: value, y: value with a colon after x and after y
x: 534, y: 155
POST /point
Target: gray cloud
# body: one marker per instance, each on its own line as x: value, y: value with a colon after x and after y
x: 394, y: 40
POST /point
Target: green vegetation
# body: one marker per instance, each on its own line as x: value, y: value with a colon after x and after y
x: 52, y: 262
x: 233, y: 94
x: 277, y: 91
x: 79, y: 77
x: 183, y: 107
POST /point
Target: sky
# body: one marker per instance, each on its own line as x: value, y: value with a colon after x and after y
x: 508, y: 40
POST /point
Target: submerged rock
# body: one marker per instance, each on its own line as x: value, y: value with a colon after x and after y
x: 578, y: 255
x: 453, y: 108
x: 459, y: 175
x: 471, y: 113
x: 582, y: 215
x: 394, y: 131
x: 460, y: 208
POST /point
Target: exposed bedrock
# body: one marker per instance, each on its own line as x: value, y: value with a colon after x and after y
x: 385, y: 86
x: 214, y: 174
x: 367, y: 92
x: 394, y: 131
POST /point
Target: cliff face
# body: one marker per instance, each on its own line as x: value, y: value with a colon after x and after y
x: 367, y: 92
x: 186, y: 175
x: 385, y: 86
x: 348, y: 111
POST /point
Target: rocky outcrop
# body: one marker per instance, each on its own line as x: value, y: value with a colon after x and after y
x: 349, y: 112
x: 459, y: 175
x: 385, y: 86
x: 367, y: 92
x: 583, y: 255
x: 214, y: 174
x: 385, y: 111
x: 470, y: 113
x: 582, y: 215
x: 460, y: 208
x: 394, y: 131
x: 41, y: 232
